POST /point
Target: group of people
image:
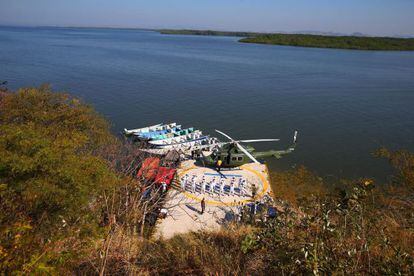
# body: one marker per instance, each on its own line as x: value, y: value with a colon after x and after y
x: 215, y: 185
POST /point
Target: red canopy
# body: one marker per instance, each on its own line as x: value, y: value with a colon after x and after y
x: 165, y: 175
x: 149, y: 168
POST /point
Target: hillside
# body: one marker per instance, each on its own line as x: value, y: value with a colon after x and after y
x: 71, y: 204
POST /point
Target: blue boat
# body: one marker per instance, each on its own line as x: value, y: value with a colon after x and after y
x: 149, y: 135
x: 171, y: 135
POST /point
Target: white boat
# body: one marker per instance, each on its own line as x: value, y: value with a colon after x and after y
x: 198, y: 141
x: 148, y: 129
x: 167, y: 129
x: 177, y: 139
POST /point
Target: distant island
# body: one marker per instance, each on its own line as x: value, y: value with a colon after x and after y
x: 209, y: 32
x: 311, y: 40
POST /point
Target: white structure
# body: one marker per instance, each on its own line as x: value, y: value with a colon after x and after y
x: 184, y: 182
x: 242, y: 186
x: 222, y: 183
x: 236, y: 185
x: 203, y: 186
x: 193, y: 183
x: 212, y: 185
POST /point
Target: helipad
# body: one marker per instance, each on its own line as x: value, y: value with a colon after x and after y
x: 183, y: 203
x: 206, y: 182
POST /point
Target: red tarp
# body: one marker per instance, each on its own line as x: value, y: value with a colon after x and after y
x: 149, y: 168
x: 165, y: 175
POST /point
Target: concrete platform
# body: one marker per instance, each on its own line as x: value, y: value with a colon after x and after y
x: 184, y: 204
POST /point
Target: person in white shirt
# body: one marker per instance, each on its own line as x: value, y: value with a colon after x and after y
x: 164, y: 187
x: 211, y: 185
x: 242, y: 186
x: 184, y: 181
x: 203, y: 186
x: 194, y: 185
x: 222, y: 182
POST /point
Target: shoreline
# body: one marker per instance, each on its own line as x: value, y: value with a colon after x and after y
x: 345, y: 42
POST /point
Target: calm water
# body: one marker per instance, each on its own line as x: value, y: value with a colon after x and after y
x: 344, y: 103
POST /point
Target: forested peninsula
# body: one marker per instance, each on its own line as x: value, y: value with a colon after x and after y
x: 310, y: 40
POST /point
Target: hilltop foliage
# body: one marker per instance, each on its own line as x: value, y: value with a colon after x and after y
x: 50, y: 178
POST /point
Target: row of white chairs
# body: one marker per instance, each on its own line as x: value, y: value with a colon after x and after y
x: 215, y: 185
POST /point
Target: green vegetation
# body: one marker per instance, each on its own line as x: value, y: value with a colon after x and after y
x: 208, y: 32
x: 316, y: 41
x: 49, y: 178
x: 338, y: 42
x: 65, y: 181
x: 70, y: 205
x: 357, y: 229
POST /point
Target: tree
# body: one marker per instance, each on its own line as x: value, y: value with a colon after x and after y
x: 51, y: 179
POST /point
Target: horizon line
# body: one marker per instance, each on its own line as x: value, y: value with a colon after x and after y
x: 309, y: 32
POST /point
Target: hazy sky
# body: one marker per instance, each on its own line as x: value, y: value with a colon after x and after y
x: 376, y: 17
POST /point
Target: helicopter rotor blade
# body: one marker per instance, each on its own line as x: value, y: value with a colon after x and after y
x: 247, y: 153
x: 224, y: 134
x: 257, y: 140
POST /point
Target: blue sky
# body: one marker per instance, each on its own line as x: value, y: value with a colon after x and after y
x: 375, y: 17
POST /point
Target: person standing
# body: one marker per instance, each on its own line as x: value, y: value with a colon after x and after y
x: 212, y: 184
x: 219, y: 162
x: 222, y: 182
x: 164, y: 187
x: 193, y: 184
x: 254, y: 190
x: 203, y: 206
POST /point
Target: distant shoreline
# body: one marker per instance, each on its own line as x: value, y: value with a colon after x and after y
x: 310, y: 40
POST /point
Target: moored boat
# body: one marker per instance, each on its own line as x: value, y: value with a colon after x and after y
x: 198, y: 141
x: 143, y: 129
x: 177, y: 139
x: 152, y: 134
x: 173, y: 134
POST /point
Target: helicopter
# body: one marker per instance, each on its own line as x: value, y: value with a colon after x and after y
x: 232, y: 154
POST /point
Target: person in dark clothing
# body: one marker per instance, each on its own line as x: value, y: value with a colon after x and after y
x: 203, y: 206
x: 254, y: 190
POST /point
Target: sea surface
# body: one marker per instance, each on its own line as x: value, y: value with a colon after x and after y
x: 344, y: 103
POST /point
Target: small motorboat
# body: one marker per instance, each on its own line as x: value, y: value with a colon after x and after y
x: 197, y: 141
x: 144, y: 129
x: 187, y: 136
x: 172, y: 134
x: 151, y: 134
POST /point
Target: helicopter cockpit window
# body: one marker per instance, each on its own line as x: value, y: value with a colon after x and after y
x: 234, y: 158
x: 240, y: 158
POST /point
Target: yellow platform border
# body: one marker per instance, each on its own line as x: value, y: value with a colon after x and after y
x: 263, y: 178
